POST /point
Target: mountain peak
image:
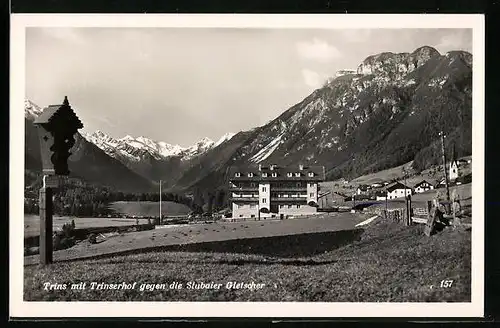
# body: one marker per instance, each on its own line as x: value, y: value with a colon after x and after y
x: 205, y: 140
x: 31, y: 110
x: 396, y: 65
x: 426, y: 50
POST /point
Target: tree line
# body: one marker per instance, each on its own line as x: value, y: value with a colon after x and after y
x: 77, y: 198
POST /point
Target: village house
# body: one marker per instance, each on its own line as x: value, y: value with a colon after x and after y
x: 453, y: 170
x: 377, y: 185
x: 363, y: 190
x: 380, y: 195
x: 330, y: 199
x: 273, y: 191
x: 398, y: 190
x: 440, y: 184
x: 423, y: 186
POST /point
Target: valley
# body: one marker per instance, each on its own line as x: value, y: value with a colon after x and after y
x: 348, y: 143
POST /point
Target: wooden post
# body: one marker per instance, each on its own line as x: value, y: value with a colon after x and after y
x: 46, y: 212
x: 386, y: 203
x: 408, y: 211
x: 444, y: 168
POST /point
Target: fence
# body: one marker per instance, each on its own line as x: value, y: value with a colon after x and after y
x: 409, y: 214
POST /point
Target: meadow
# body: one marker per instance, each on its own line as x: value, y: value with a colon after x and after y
x: 169, y: 236
x: 144, y: 208
x: 32, y: 223
x: 383, y: 262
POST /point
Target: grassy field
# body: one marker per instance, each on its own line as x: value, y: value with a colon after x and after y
x: 385, y: 262
x: 259, y: 232
x: 32, y: 223
x: 150, y: 208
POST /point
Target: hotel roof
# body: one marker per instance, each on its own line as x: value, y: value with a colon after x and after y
x: 281, y: 173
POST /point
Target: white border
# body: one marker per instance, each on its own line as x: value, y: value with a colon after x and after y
x: 19, y: 308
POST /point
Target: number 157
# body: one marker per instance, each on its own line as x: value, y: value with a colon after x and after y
x: 446, y: 283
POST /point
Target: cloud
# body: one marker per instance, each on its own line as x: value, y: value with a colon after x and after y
x: 459, y: 40
x: 312, y: 79
x: 318, y: 50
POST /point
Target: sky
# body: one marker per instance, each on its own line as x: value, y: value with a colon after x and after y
x: 180, y: 85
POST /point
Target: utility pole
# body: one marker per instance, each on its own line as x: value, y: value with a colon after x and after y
x: 444, y: 167
x: 404, y: 176
x: 160, y: 221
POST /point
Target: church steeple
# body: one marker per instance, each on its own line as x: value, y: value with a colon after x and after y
x: 453, y: 154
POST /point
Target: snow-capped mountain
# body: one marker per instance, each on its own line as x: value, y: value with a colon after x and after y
x: 224, y: 138
x: 87, y: 161
x: 31, y: 110
x: 142, y: 147
x: 386, y: 112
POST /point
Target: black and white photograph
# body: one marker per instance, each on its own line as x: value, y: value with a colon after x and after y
x: 229, y: 165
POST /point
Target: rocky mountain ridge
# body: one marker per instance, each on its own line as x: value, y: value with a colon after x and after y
x: 386, y: 112
x: 136, y: 149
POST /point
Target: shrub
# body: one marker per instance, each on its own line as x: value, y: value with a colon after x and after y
x: 68, y: 229
x: 92, y: 238
x: 62, y: 241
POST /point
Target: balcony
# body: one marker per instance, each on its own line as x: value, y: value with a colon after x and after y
x: 251, y: 189
x: 296, y: 189
x: 289, y: 199
x: 244, y: 199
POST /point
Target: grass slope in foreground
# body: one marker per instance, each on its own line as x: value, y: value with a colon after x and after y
x: 389, y: 262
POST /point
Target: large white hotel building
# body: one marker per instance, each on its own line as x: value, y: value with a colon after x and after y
x: 273, y: 191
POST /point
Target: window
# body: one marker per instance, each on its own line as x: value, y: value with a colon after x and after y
x: 264, y: 174
x: 298, y: 206
x: 264, y: 200
x: 264, y: 189
x: 297, y: 174
x: 311, y: 194
x: 274, y: 175
x: 289, y: 206
x: 252, y: 184
x: 311, y: 185
x: 281, y: 206
x: 252, y: 216
x: 289, y: 174
x: 237, y: 174
x: 250, y: 175
x: 241, y: 215
x: 311, y: 174
x: 298, y: 184
x: 236, y: 205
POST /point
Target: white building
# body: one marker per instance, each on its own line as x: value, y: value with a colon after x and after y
x: 453, y: 170
x: 423, y: 186
x: 398, y: 190
x: 272, y: 191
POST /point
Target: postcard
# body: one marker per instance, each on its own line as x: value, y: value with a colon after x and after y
x: 247, y: 166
